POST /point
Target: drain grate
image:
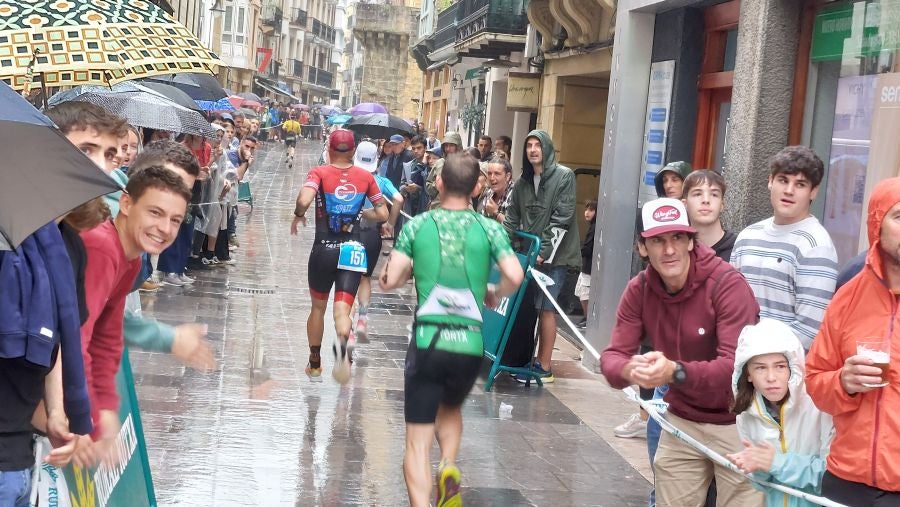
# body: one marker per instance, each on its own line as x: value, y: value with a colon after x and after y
x: 252, y: 290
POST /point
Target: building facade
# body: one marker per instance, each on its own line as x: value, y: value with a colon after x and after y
x: 389, y: 75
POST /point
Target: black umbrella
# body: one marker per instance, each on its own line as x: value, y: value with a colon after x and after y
x: 197, y: 86
x: 379, y: 125
x: 172, y: 93
x: 44, y: 176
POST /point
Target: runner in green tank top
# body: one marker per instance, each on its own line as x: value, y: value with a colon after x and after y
x: 450, y: 251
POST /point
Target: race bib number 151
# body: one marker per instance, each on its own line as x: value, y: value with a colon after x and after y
x: 352, y: 257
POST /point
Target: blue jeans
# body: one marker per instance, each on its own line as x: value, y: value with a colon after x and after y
x: 15, y: 488
x: 653, y: 432
x: 174, y: 258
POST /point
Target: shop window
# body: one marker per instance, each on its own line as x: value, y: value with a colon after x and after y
x: 715, y: 84
x: 854, y: 84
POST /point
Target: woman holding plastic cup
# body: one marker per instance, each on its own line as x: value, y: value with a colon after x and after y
x: 848, y: 368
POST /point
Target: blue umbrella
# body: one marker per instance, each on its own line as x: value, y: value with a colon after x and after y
x: 215, y: 105
x: 45, y: 176
x: 338, y: 119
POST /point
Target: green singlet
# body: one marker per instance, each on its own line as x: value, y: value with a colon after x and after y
x: 452, y: 254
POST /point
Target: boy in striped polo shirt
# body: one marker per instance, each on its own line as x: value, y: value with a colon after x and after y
x: 789, y: 259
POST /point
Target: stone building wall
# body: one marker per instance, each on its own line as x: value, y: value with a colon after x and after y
x: 390, y: 75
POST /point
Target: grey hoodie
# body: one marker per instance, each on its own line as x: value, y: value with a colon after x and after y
x: 550, y: 211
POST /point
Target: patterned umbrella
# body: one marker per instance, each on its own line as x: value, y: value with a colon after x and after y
x: 215, y: 105
x: 73, y: 42
x: 330, y: 110
x: 142, y: 109
x: 367, y: 108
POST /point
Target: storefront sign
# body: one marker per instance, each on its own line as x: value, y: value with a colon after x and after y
x: 856, y: 30
x: 523, y: 91
x: 656, y: 126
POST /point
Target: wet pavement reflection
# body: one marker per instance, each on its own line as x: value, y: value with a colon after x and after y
x: 257, y: 432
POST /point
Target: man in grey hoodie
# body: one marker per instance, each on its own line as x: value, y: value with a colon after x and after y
x: 543, y: 204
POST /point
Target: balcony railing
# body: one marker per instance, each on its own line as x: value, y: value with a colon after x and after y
x: 299, y: 18
x: 491, y: 16
x: 296, y: 68
x: 320, y: 77
x: 445, y: 34
x: 322, y: 31
x: 271, y: 15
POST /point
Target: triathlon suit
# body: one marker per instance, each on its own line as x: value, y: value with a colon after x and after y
x: 339, y: 202
x: 452, y: 254
x: 291, y: 128
x: 370, y: 233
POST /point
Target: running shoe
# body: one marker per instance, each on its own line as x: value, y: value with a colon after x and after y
x: 545, y: 375
x: 341, y: 371
x: 186, y: 279
x: 634, y: 427
x: 314, y: 372
x: 173, y: 279
x: 449, y: 479
x: 361, y: 325
x: 211, y: 261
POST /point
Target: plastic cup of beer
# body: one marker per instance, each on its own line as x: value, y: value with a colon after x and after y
x: 879, y: 351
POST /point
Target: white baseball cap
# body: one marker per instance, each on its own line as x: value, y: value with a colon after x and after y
x: 366, y: 156
x: 664, y: 215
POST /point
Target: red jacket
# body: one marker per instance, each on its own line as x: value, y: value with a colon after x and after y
x: 108, y: 278
x: 698, y: 326
x: 866, y: 444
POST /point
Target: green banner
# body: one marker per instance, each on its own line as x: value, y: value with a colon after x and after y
x: 127, y: 482
x: 856, y: 30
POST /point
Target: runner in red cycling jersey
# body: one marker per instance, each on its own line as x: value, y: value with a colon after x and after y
x: 337, y: 259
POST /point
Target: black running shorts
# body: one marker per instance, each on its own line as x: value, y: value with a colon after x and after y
x: 291, y: 140
x: 371, y: 239
x: 435, y: 377
x: 324, y: 274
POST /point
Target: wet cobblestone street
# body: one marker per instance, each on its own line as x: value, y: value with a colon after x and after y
x: 257, y: 432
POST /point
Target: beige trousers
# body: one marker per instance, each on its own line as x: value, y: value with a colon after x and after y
x: 683, y: 474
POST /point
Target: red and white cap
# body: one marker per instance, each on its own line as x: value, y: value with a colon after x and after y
x: 664, y: 215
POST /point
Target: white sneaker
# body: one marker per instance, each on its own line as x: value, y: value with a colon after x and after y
x: 634, y: 427
x: 172, y: 279
x: 186, y: 279
x: 341, y: 371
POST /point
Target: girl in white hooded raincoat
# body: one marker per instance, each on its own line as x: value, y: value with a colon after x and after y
x: 785, y: 438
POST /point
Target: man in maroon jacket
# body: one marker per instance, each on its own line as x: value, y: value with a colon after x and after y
x: 691, y: 306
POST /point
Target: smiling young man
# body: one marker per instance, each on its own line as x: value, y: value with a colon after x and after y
x: 789, y: 259
x: 691, y: 306
x: 151, y: 211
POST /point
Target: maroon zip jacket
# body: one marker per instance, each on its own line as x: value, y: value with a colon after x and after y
x: 698, y: 326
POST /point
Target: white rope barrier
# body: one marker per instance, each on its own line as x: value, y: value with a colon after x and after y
x: 653, y: 409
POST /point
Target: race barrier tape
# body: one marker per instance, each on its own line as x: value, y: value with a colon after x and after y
x: 653, y: 409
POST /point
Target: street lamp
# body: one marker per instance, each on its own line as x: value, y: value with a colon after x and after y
x: 456, y: 82
x: 217, y: 7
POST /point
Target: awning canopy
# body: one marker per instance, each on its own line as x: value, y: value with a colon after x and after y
x: 272, y: 88
x: 437, y: 64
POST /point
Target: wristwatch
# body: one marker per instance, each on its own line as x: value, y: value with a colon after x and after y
x: 299, y: 215
x: 680, y: 375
